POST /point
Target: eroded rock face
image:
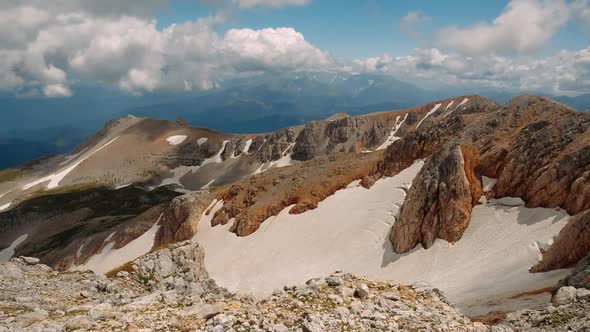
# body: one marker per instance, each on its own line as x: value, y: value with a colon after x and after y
x: 569, y: 247
x: 179, y: 267
x: 439, y: 203
x: 179, y: 221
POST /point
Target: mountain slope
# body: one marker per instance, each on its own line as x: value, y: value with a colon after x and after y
x: 327, y: 195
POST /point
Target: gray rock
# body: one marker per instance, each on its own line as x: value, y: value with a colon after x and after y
x: 334, y: 281
x: 279, y: 328
x: 203, y: 311
x: 223, y: 320
x: 30, y: 260
x: 565, y: 295
x: 362, y: 291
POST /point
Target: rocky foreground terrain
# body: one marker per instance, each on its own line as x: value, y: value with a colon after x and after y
x: 486, y: 201
x: 170, y: 290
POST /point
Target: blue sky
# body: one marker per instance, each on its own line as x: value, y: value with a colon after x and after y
x: 151, y: 46
x: 356, y: 29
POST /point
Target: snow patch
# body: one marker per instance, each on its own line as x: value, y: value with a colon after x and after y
x: 69, y: 158
x: 488, y: 183
x: 5, y: 206
x: 202, y: 140
x: 392, y: 138
x: 6, y: 254
x: 108, y: 258
x: 79, y: 251
x: 208, y: 184
x: 177, y: 139
x: 456, y: 108
x: 462, y: 103
x: 350, y: 230
x: 55, y: 178
x: 284, y: 161
x: 181, y: 171
x: 449, y: 105
x: 434, y: 109
x: 247, y: 146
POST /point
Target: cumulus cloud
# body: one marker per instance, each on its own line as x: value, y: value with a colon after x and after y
x: 524, y: 27
x: 43, y: 48
x: 565, y: 72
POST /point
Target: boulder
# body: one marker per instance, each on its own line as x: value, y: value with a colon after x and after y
x: 565, y: 295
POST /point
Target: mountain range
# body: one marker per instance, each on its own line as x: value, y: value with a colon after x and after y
x: 36, y: 127
x: 487, y: 202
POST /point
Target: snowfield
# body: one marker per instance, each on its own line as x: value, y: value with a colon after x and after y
x: 177, y: 139
x: 55, y: 178
x: 392, y: 138
x: 108, y: 258
x: 7, y: 253
x: 349, y: 231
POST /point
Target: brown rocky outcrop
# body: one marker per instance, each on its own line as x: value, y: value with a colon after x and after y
x: 569, y: 247
x: 179, y: 221
x: 253, y: 200
x: 439, y: 203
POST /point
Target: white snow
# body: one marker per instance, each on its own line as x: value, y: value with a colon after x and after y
x: 456, y: 108
x: 450, y: 104
x: 177, y: 139
x: 392, y: 138
x: 181, y: 171
x: 108, y: 258
x: 244, y: 151
x: 434, y: 109
x: 5, y: 206
x: 79, y: 251
x: 69, y: 158
x: 202, y: 140
x: 247, y: 146
x: 7, y: 253
x: 349, y: 231
x: 462, y: 103
x: 488, y: 183
x: 55, y: 178
x: 284, y: 161
x: 208, y: 184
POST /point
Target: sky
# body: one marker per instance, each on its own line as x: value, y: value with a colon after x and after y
x: 48, y: 48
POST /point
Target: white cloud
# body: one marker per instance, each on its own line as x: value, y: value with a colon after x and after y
x: 272, y: 3
x: 39, y: 47
x: 56, y: 90
x: 525, y: 26
x: 566, y: 72
x: 271, y: 50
